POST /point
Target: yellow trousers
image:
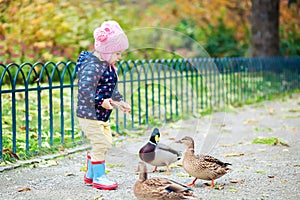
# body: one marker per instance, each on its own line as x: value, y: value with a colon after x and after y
x: 100, y: 136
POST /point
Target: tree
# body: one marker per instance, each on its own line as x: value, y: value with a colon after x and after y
x: 265, y: 28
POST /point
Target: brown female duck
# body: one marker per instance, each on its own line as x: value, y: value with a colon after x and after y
x: 159, y: 188
x: 201, y: 166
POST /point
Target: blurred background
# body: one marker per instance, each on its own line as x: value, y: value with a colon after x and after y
x: 41, y: 30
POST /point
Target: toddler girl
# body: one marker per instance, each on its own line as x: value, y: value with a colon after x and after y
x: 97, y: 79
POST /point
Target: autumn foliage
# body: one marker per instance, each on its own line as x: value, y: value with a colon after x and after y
x: 41, y: 30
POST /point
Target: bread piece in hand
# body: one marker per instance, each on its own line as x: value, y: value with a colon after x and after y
x: 125, y: 107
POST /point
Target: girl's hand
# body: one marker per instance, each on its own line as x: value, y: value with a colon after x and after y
x: 106, y: 104
x: 125, y: 107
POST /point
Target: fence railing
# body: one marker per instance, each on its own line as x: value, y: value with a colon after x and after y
x: 37, y: 101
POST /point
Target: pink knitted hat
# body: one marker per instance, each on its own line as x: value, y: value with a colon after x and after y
x: 109, y: 39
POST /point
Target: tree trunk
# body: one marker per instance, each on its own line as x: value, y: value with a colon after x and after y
x: 264, y: 28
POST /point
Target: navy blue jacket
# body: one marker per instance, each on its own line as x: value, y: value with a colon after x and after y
x: 97, y: 81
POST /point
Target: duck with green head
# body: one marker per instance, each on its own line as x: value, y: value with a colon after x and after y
x: 158, y: 154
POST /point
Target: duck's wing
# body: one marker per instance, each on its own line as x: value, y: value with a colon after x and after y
x: 177, y: 187
x: 155, y: 187
x: 164, y: 147
x: 211, y: 159
x: 179, y: 191
x: 163, y: 188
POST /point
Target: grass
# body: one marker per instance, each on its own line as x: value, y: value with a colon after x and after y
x: 37, y: 139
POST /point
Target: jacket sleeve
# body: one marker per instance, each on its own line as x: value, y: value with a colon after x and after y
x: 99, y: 100
x: 87, y: 84
x: 116, y: 96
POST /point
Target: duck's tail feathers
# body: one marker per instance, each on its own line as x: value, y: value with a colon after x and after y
x: 227, y: 169
x: 188, y: 197
x: 179, y: 155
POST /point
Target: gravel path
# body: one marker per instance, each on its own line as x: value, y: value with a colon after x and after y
x: 259, y: 171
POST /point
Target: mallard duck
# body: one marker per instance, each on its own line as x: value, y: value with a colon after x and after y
x: 201, y: 166
x: 159, y: 188
x: 158, y: 154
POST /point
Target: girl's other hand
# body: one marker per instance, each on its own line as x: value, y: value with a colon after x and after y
x: 106, y: 104
x: 125, y: 107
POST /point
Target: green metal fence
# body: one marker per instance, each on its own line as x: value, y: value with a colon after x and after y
x: 37, y: 100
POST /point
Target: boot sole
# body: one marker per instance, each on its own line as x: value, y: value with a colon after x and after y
x: 88, y: 181
x: 105, y: 187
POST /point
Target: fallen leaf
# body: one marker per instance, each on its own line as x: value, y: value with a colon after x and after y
x: 180, y: 175
x: 271, y: 110
x: 110, y: 165
x: 296, y: 165
x: 269, y: 141
x: 262, y: 150
x: 293, y: 110
x: 12, y: 154
x: 69, y: 174
x: 219, y: 187
x: 51, y: 163
x: 233, y: 181
x: 172, y: 166
x: 24, y: 189
x: 34, y: 165
x: 271, y: 176
x: 83, y: 168
x: 251, y: 121
x: 232, y: 189
x: 166, y: 133
x: 234, y: 154
x: 61, y: 148
x: 283, y: 144
x: 36, y: 80
x: 227, y: 145
x: 98, y: 197
x: 260, y: 171
x: 48, y: 163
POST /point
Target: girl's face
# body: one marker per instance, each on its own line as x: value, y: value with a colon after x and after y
x: 115, y: 57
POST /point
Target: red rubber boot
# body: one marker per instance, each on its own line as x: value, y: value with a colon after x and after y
x: 88, y: 175
x: 100, y: 180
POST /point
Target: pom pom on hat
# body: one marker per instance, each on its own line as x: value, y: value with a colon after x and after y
x: 109, y: 39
